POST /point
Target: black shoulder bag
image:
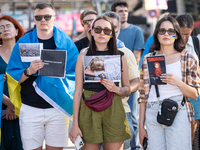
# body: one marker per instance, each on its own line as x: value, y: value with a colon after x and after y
x: 168, y: 109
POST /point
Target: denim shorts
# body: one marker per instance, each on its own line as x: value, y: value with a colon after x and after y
x: 175, y: 137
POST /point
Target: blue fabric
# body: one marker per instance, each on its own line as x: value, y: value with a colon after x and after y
x: 132, y: 37
x: 196, y: 105
x: 134, y: 121
x: 120, y: 43
x: 57, y: 91
x: 146, y: 48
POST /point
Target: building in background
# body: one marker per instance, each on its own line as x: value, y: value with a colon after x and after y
x: 66, y: 10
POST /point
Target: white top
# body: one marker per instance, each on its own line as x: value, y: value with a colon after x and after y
x: 167, y: 90
x: 190, y: 47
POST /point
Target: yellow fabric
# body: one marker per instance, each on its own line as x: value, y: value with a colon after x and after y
x: 14, y: 89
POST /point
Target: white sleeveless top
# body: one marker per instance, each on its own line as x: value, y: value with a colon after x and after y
x: 167, y: 90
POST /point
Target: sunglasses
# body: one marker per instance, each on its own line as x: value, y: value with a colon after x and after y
x: 162, y: 31
x: 46, y: 17
x: 86, y: 22
x: 98, y: 30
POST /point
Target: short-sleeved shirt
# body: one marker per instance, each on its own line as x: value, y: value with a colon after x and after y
x: 132, y: 37
x: 190, y: 75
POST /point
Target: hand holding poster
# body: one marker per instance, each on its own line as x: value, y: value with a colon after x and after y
x: 54, y: 63
x: 102, y: 67
x: 156, y: 67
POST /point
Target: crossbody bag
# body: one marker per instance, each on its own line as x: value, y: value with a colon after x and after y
x: 167, y: 109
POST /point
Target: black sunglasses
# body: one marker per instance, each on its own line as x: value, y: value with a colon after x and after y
x: 86, y: 22
x: 46, y: 17
x: 162, y: 31
x: 98, y: 30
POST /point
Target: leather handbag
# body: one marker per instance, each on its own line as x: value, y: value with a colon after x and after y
x: 168, y: 110
x: 99, y: 101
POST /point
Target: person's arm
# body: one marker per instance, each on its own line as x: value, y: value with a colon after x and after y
x: 191, y: 88
x: 75, y: 130
x: 186, y: 89
x: 137, y: 54
x: 143, y: 90
x: 10, y: 114
x: 123, y: 91
x: 142, y: 130
x: 134, y: 83
x: 34, y: 67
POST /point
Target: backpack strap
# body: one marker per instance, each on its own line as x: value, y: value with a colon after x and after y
x: 196, y: 45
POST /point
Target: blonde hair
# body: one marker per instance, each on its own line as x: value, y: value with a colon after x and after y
x: 92, y: 62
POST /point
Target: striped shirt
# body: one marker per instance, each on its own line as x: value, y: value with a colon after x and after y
x: 190, y: 75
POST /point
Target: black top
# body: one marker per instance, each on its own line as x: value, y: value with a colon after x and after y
x: 97, y: 87
x: 82, y: 43
x: 28, y: 94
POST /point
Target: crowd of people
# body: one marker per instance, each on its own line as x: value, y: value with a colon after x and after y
x: 36, y: 108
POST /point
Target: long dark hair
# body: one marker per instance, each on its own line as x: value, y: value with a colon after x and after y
x: 16, y: 24
x: 178, y: 44
x: 112, y: 47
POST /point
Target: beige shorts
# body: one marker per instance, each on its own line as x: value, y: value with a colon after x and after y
x: 38, y: 124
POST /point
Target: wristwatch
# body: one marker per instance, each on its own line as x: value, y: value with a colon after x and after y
x: 26, y: 72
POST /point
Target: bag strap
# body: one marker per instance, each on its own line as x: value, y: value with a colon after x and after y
x: 158, y: 94
x: 195, y: 41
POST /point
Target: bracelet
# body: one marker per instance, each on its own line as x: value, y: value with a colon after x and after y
x: 26, y: 72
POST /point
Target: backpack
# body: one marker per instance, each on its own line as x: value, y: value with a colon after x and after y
x: 196, y: 45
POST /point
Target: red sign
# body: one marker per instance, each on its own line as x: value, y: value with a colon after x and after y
x: 65, y: 22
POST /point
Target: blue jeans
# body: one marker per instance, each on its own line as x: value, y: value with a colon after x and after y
x: 133, y: 121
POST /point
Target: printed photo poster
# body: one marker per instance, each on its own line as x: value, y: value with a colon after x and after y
x: 102, y: 67
x: 30, y: 51
x: 156, y: 67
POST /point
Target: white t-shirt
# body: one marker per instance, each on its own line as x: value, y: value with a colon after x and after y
x: 167, y: 90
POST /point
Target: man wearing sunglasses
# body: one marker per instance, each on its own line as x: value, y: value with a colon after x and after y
x: 85, y: 21
x: 132, y: 68
x: 46, y: 101
x: 133, y: 38
x: 87, y: 17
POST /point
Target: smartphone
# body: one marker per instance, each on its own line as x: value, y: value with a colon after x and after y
x: 145, y: 143
x: 78, y: 142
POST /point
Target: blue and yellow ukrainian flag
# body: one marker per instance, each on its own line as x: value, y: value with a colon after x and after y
x: 56, y: 91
